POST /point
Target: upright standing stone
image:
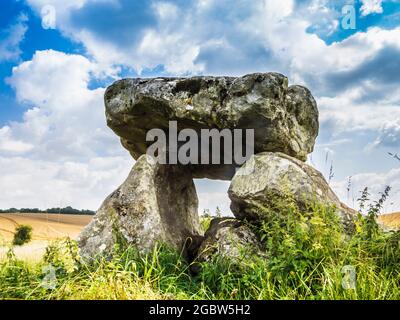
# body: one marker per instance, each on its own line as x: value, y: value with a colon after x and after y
x: 273, y: 178
x: 156, y: 203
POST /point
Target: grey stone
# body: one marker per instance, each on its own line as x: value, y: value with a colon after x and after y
x: 285, y: 119
x: 273, y: 178
x: 156, y: 203
x: 229, y: 238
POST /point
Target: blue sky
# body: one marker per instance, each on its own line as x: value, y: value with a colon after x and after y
x: 56, y: 58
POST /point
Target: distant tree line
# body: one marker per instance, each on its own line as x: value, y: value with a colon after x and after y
x: 66, y: 210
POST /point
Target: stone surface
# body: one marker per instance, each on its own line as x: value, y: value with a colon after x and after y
x: 285, y: 118
x: 274, y: 176
x: 229, y: 238
x: 156, y: 203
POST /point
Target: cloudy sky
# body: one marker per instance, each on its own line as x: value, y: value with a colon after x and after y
x: 57, y: 57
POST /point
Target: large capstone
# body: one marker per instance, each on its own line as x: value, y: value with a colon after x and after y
x: 273, y: 178
x: 156, y: 204
x: 285, y: 118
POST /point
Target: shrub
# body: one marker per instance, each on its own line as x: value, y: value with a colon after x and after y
x: 62, y: 254
x: 22, y: 235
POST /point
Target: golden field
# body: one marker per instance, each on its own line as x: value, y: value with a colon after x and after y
x: 46, y: 227
x: 391, y: 220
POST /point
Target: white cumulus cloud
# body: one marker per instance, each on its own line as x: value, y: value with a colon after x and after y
x: 62, y: 150
x: 11, y: 39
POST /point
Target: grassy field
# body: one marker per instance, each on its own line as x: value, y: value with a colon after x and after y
x: 307, y: 256
x: 46, y: 227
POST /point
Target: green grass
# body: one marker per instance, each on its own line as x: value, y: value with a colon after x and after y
x: 305, y: 254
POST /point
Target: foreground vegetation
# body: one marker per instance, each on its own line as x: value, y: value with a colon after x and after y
x: 307, y: 257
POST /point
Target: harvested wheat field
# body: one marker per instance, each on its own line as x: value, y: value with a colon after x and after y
x: 391, y: 220
x: 46, y: 227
